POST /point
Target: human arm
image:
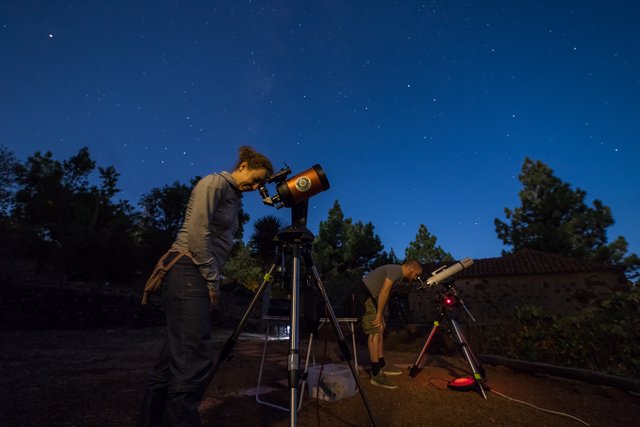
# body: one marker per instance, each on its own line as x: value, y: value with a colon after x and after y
x: 383, y: 298
x: 196, y: 233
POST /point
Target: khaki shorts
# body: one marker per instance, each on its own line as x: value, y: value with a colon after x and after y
x: 370, y: 313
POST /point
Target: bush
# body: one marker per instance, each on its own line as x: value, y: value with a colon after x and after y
x: 603, y: 338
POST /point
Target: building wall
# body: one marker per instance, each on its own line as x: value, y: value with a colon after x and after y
x: 495, y: 298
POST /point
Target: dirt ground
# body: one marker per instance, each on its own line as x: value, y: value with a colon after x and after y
x: 96, y: 377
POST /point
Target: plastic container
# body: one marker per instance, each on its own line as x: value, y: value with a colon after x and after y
x: 336, y: 383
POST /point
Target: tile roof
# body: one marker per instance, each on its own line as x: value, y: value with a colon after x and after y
x: 528, y: 262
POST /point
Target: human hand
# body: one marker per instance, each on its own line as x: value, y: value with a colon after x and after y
x: 213, y: 294
x: 213, y: 297
x: 378, y: 321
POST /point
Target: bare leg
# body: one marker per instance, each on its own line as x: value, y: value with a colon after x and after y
x: 373, y: 344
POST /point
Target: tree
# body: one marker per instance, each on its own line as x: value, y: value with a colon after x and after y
x: 65, y: 220
x: 112, y: 240
x: 262, y: 246
x: 344, y: 251
x: 242, y: 269
x: 555, y: 218
x: 329, y: 243
x: 162, y: 215
x: 385, y: 258
x: 423, y: 249
x: 362, y: 247
x: 243, y: 218
x: 10, y: 235
x: 8, y: 165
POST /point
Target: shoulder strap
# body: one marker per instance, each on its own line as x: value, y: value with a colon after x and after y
x: 160, y: 270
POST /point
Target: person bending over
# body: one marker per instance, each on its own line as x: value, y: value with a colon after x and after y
x: 372, y: 294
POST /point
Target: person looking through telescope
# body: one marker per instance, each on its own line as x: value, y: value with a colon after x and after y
x: 372, y: 295
x: 190, y: 290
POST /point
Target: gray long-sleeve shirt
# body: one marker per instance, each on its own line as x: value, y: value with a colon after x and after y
x: 210, y: 223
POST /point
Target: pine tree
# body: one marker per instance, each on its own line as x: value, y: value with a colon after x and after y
x: 424, y: 250
x: 555, y: 218
x: 344, y: 251
x: 329, y: 242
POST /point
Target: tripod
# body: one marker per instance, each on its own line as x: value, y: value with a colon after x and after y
x: 450, y: 300
x: 299, y: 239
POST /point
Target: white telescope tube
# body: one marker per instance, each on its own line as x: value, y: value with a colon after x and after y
x: 442, y: 273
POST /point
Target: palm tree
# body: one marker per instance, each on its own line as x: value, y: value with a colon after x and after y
x: 262, y: 245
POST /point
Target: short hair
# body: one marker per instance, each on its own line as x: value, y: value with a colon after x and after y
x: 254, y: 160
x: 413, y: 263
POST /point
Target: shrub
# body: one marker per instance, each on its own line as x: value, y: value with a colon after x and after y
x: 603, y: 338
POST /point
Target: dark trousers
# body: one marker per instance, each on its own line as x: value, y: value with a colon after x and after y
x: 181, y: 375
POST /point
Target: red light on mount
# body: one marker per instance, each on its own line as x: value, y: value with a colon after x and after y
x: 448, y: 300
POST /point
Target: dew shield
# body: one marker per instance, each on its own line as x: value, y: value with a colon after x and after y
x: 303, y: 186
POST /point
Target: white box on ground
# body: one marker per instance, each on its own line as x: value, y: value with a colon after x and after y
x: 336, y: 382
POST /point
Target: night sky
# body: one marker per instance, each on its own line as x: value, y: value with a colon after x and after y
x: 419, y: 112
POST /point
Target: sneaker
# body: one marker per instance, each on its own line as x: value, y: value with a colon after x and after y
x: 390, y: 372
x: 381, y: 380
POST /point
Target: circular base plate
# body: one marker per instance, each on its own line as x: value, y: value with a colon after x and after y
x: 462, y: 384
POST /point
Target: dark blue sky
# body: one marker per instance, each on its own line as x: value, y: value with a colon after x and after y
x: 419, y: 112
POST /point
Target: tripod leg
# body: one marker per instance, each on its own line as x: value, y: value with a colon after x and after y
x: 468, y: 355
x: 413, y: 370
x: 336, y: 327
x: 231, y: 342
x: 293, y: 359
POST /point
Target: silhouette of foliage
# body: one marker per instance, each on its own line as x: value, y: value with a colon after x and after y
x: 602, y: 338
x: 161, y: 217
x: 8, y: 163
x: 242, y: 269
x: 262, y: 245
x: 424, y: 250
x: 555, y: 218
x: 344, y: 251
x: 77, y: 226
